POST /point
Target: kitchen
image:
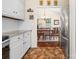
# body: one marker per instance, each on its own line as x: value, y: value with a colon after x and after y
x: 36, y: 24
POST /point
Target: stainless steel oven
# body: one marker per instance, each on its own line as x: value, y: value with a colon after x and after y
x: 5, y: 47
x: 5, y: 52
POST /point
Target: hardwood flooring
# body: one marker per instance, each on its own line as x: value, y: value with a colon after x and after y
x: 45, y: 53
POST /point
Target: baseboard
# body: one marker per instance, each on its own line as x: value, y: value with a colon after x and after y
x: 26, y: 53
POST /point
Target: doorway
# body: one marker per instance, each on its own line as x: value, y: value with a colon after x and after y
x: 48, y: 27
x: 53, y: 29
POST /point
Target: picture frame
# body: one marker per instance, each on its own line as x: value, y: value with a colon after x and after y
x: 31, y: 17
x: 48, y: 22
x: 56, y: 22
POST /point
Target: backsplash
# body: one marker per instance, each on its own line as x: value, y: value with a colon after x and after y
x: 9, y: 24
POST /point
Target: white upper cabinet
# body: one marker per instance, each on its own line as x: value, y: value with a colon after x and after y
x: 13, y: 8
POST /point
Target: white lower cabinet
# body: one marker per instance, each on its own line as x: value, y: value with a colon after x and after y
x: 15, y: 52
x: 16, y: 47
x: 19, y: 45
x: 26, y: 42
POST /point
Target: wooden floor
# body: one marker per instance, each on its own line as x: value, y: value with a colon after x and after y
x: 45, y: 53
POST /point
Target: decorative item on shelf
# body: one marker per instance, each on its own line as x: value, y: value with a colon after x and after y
x: 41, y: 2
x: 55, y: 2
x: 30, y: 10
x: 56, y: 22
x: 48, y: 2
x: 48, y: 22
x: 31, y: 17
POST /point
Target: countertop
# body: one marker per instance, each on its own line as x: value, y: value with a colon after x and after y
x: 12, y: 34
x: 15, y: 33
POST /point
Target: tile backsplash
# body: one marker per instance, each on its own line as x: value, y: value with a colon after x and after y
x: 9, y: 24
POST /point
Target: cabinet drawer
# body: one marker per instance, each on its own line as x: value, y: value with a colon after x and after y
x: 16, y: 52
x: 16, y: 38
x: 14, y: 41
x: 14, y: 9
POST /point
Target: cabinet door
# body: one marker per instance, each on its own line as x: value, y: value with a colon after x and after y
x: 16, y: 40
x: 21, y: 8
x: 9, y: 7
x: 14, y: 53
x: 13, y: 8
x: 26, y: 46
x: 13, y: 41
x: 16, y: 47
x: 26, y: 42
x: 27, y: 36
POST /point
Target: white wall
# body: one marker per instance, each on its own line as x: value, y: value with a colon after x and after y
x: 9, y: 25
x: 53, y: 13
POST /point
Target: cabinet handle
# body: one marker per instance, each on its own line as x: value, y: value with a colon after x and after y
x: 24, y: 42
x: 15, y: 12
x: 18, y: 37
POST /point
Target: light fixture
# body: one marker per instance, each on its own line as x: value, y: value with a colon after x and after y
x: 48, y: 2
x: 41, y: 2
x: 55, y: 2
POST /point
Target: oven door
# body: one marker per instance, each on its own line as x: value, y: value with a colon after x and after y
x: 5, y: 49
x: 5, y: 52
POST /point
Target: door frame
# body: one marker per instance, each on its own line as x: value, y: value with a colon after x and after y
x: 72, y: 22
